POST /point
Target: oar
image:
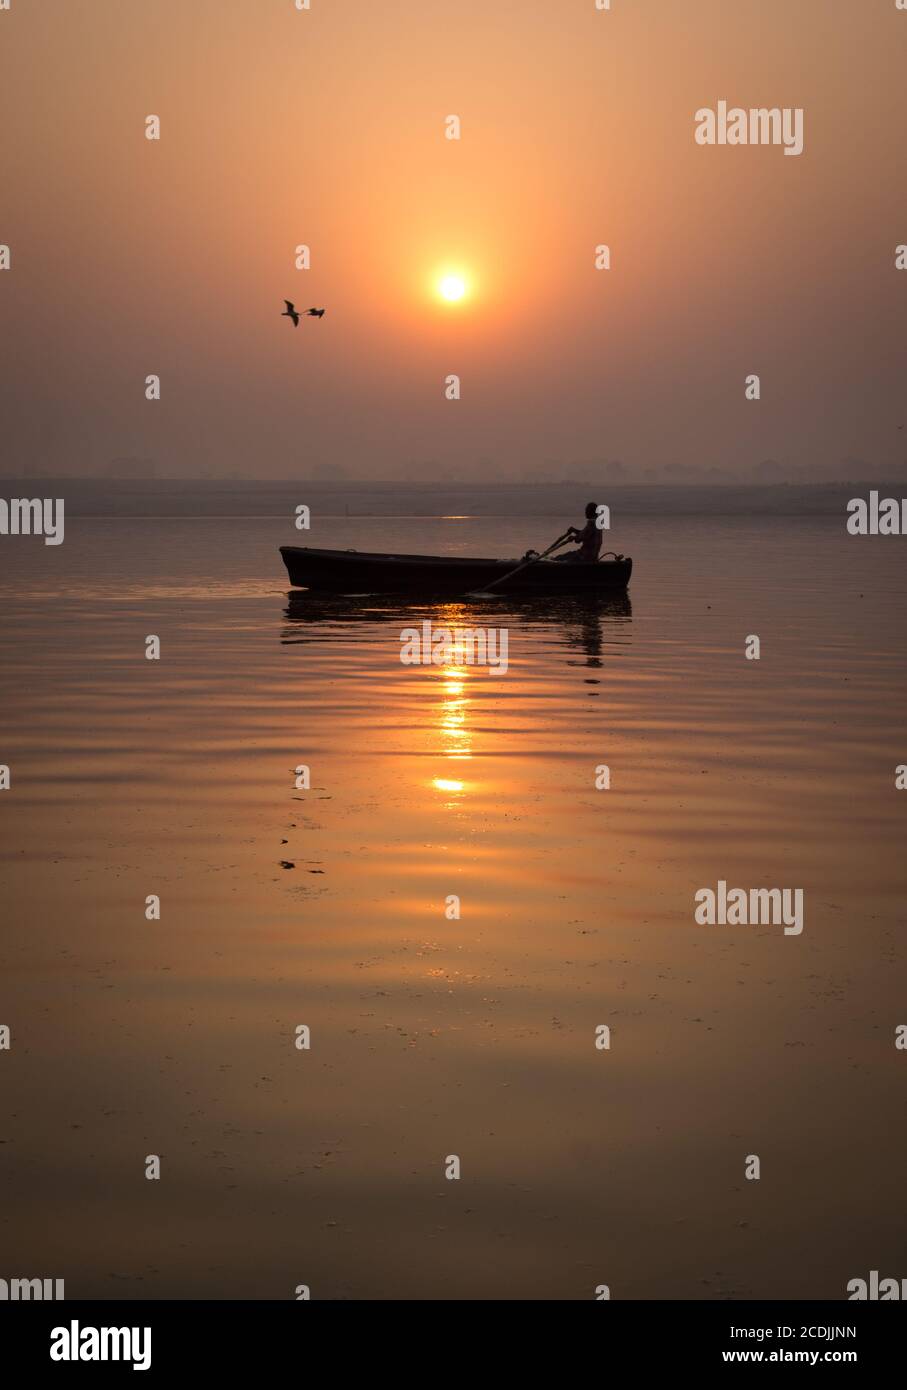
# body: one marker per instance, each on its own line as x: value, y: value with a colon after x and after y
x: 480, y: 593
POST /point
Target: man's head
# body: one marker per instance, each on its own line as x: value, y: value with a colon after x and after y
x: 591, y: 510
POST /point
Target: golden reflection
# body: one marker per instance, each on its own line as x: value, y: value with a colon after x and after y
x: 452, y: 712
x: 451, y: 718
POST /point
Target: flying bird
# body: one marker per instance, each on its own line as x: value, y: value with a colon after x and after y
x: 291, y: 312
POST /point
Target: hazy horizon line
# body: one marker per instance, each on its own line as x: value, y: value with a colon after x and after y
x: 446, y: 484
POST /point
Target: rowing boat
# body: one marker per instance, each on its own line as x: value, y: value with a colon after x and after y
x: 361, y: 571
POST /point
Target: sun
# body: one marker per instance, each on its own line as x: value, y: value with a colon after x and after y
x: 452, y: 288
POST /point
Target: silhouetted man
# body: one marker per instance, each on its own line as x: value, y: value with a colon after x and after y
x: 589, y: 539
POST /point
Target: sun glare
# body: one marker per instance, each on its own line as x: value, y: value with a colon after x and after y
x: 452, y: 288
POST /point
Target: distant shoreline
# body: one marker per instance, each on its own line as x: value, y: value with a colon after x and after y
x: 224, y: 498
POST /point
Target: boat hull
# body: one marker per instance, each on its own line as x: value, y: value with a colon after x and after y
x: 362, y: 572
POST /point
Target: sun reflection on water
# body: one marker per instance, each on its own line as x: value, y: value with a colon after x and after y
x: 453, y: 711
x: 451, y: 719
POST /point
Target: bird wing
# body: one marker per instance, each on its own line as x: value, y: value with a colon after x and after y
x: 290, y: 308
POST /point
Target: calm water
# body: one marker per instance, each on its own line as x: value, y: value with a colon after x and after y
x: 433, y: 1037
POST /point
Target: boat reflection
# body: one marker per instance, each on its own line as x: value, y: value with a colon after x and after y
x: 584, y: 619
x: 456, y: 712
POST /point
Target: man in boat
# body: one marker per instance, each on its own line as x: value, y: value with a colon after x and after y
x: 589, y: 539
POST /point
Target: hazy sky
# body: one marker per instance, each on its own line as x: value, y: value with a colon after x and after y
x: 327, y: 127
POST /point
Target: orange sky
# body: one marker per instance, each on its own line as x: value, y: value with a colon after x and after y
x: 327, y: 127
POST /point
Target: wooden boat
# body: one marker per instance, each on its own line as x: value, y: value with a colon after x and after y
x: 364, y: 572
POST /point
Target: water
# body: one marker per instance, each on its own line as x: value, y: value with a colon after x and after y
x: 432, y: 1037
